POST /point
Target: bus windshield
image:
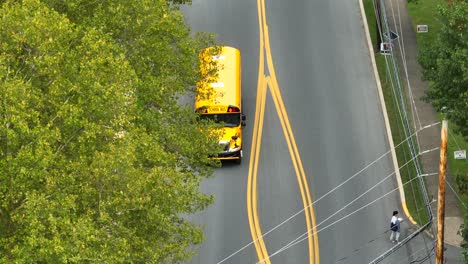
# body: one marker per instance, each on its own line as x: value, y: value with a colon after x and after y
x: 229, y: 120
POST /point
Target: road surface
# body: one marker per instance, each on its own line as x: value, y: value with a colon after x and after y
x: 315, y: 139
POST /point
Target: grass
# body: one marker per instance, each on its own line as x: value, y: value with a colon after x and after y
x: 413, y: 191
x: 458, y: 168
x: 426, y: 12
x: 414, y: 198
x: 422, y: 12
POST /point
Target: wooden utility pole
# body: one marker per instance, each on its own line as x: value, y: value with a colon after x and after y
x: 441, y: 196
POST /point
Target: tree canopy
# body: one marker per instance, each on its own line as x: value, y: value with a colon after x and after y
x: 98, y: 161
x: 444, y: 63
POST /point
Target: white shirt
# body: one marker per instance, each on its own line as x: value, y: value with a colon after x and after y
x: 394, y: 219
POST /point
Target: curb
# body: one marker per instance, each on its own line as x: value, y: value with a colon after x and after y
x: 384, y: 110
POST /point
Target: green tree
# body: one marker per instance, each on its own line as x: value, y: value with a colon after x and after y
x: 444, y: 63
x: 159, y: 48
x: 180, y: 1
x: 464, y: 233
x: 98, y: 162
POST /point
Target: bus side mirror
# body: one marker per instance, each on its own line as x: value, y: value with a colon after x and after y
x: 243, y: 123
x: 243, y: 117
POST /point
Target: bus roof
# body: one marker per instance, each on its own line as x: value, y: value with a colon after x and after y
x: 225, y: 90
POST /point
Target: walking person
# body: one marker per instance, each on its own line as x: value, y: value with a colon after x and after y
x: 395, y: 227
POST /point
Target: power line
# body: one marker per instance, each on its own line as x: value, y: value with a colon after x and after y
x: 453, y: 138
x: 456, y: 194
x: 360, y: 196
x: 323, y: 196
x: 305, y: 235
x: 407, y: 130
x: 360, y: 248
x: 405, y: 66
x: 301, y: 237
x: 431, y: 253
x: 370, y: 241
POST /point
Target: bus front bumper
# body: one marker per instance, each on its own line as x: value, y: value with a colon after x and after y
x: 226, y: 155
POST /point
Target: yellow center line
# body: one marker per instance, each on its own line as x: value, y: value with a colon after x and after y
x: 252, y: 178
x: 257, y: 158
x: 254, y: 187
x: 272, y: 83
x: 300, y: 174
x: 252, y: 212
x: 301, y: 177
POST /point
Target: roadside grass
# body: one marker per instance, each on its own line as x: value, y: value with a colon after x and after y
x: 458, y: 169
x: 425, y: 12
x: 412, y: 188
x: 413, y: 191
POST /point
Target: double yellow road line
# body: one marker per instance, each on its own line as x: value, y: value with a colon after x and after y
x: 264, y: 82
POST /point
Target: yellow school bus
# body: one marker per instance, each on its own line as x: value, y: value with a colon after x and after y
x: 219, y: 99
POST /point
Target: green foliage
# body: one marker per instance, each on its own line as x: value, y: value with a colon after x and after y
x: 464, y: 233
x: 180, y: 1
x: 98, y: 163
x: 462, y: 183
x: 443, y: 59
x: 445, y: 64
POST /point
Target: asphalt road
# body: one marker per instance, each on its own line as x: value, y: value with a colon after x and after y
x: 321, y: 67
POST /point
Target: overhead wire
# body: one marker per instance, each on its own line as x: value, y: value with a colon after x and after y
x: 431, y: 253
x: 414, y: 113
x: 399, y: 103
x: 306, y: 234
x: 396, y: 105
x: 298, y: 240
x: 363, y: 246
x: 402, y: 50
x: 392, y: 84
x: 405, y: 130
x: 403, y: 106
x: 405, y: 66
x: 402, y: 100
x: 456, y: 194
x: 360, y: 248
x: 421, y: 259
x: 453, y: 190
x: 429, y: 174
x: 354, y: 200
x: 320, y: 198
x: 453, y: 138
